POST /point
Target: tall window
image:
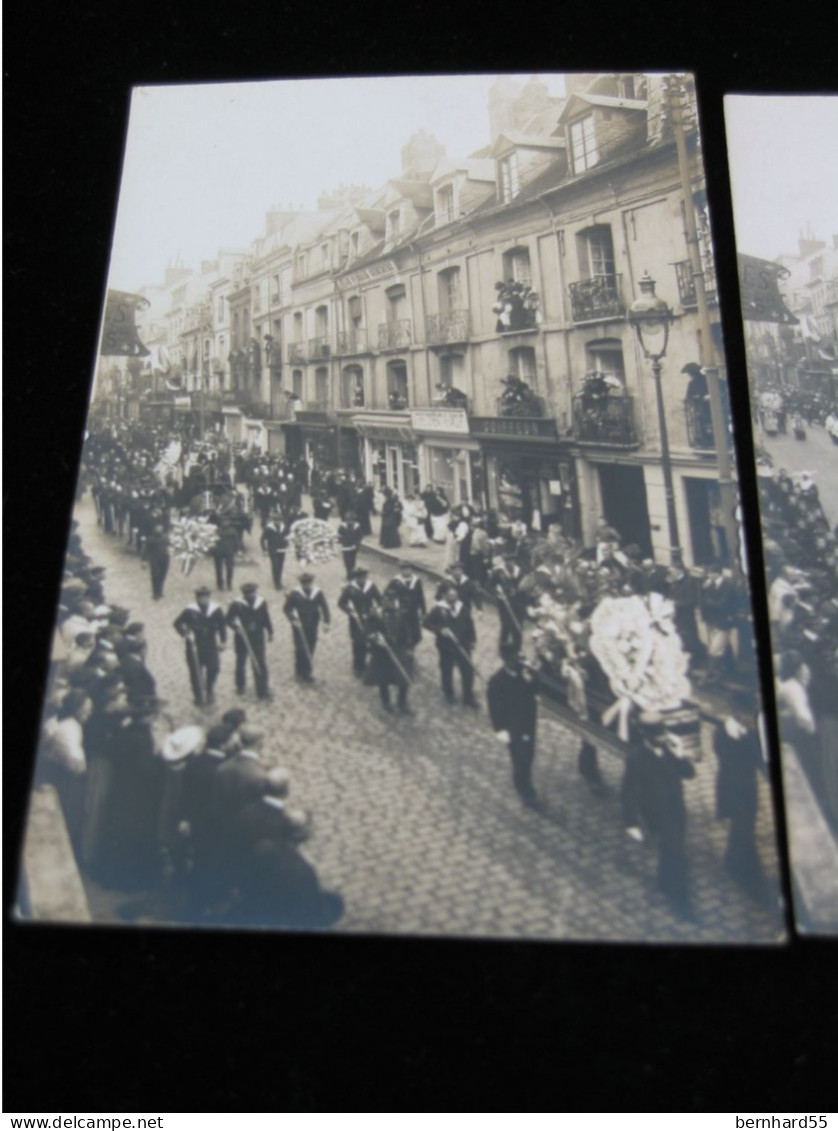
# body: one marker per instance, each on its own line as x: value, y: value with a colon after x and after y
x: 355, y: 243
x: 605, y: 359
x: 450, y: 295
x: 355, y: 312
x: 445, y: 204
x: 276, y: 291
x: 301, y: 265
x: 321, y: 385
x: 321, y: 322
x: 598, y: 253
x: 353, y: 387
x: 221, y: 311
x: 298, y: 326
x: 583, y: 148
x: 522, y: 364
x: 516, y: 266
x: 396, y: 303
x: 326, y: 256
x: 297, y: 383
x: 509, y: 180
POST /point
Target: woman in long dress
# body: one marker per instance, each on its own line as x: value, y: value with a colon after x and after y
x: 414, y: 516
x: 439, y: 511
x: 391, y: 520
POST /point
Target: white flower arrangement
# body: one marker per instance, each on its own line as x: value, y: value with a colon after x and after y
x: 190, y: 539
x: 314, y: 540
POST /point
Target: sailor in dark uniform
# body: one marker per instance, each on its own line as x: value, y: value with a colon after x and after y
x: 388, y: 637
x: 408, y: 589
x: 250, y: 620
x: 467, y: 589
x: 505, y: 582
x: 350, y: 536
x: 274, y: 542
x: 451, y: 623
x: 204, y: 629
x: 357, y: 601
x: 513, y: 709
x: 305, y: 607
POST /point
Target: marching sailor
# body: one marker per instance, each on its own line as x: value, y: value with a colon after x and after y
x: 357, y: 600
x: 408, y: 589
x: 305, y: 607
x: 274, y: 542
x: 451, y: 623
x: 506, y: 584
x: 250, y: 621
x: 350, y: 536
x: 388, y: 635
x: 204, y: 629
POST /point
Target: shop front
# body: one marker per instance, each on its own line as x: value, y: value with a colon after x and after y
x: 448, y: 457
x: 528, y: 474
x: 388, y: 451
x: 318, y: 435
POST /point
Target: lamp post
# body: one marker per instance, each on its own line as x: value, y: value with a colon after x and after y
x: 650, y: 316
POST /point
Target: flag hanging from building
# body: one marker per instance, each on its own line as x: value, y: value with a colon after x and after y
x: 119, y: 335
x: 759, y: 285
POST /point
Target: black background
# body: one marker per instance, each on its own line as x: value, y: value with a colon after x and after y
x: 103, y: 1020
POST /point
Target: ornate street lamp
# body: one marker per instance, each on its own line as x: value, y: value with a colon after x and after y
x: 651, y: 317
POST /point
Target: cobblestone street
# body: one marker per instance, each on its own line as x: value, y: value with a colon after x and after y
x: 415, y: 820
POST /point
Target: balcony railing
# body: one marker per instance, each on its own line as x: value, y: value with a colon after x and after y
x: 319, y: 348
x: 397, y: 400
x: 533, y: 406
x: 699, y: 424
x: 394, y: 335
x: 452, y: 327
x: 686, y: 283
x: 296, y: 352
x: 351, y: 341
x: 605, y: 419
x: 597, y: 298
x: 540, y: 428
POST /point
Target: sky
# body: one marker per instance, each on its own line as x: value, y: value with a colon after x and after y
x: 204, y: 163
x: 783, y: 158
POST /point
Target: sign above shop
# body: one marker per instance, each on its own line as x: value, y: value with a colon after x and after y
x: 446, y: 420
x: 366, y: 274
x: 389, y: 433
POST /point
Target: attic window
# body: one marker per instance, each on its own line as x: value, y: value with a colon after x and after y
x: 394, y: 226
x: 510, y: 184
x: 583, y: 148
x: 355, y: 243
x: 445, y: 204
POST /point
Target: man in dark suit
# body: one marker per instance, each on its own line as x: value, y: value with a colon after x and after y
x: 274, y: 542
x: 203, y: 627
x: 513, y: 709
x: 305, y: 607
x: 411, y: 597
x: 250, y: 620
x: 450, y: 621
x: 350, y: 536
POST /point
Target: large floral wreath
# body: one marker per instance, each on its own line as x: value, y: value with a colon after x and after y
x: 639, y: 649
x: 190, y: 539
x: 314, y: 540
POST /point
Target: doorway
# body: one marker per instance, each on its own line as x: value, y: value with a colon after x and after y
x: 624, y: 504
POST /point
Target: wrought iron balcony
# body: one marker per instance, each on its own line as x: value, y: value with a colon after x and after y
x: 351, y: 341
x: 536, y: 428
x: 296, y: 352
x: 686, y: 282
x: 607, y: 419
x: 597, y: 298
x: 397, y: 400
x: 394, y: 335
x: 452, y: 327
x: 319, y: 348
x: 699, y: 424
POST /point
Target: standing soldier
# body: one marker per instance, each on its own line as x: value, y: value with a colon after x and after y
x: 451, y: 623
x: 506, y: 585
x: 388, y: 635
x: 411, y: 595
x: 304, y: 607
x: 250, y: 620
x: 350, y: 535
x: 204, y: 629
x: 513, y: 708
x: 156, y: 552
x: 274, y: 542
x: 357, y: 600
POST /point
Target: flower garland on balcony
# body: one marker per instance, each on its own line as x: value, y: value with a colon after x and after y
x: 638, y: 647
x: 598, y: 386
x: 518, y: 399
x: 517, y: 306
x: 314, y: 540
x: 190, y: 539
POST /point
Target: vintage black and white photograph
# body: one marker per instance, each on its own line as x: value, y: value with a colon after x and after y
x: 404, y: 590
x: 787, y: 237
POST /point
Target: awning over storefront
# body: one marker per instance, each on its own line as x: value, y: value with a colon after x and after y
x: 392, y: 428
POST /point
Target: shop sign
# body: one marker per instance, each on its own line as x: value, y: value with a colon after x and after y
x: 389, y: 433
x: 366, y: 274
x: 446, y: 420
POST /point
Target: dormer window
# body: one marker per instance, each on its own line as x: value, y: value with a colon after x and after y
x: 326, y: 256
x: 355, y: 244
x: 394, y: 226
x: 583, y: 147
x: 510, y: 183
x: 445, y: 204
x: 301, y: 265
